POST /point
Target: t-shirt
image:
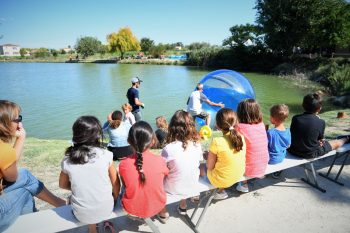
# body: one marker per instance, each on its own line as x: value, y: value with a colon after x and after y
x: 148, y: 199
x: 257, y: 155
x: 131, y: 95
x: 7, y: 156
x: 229, y: 166
x: 194, y: 105
x: 129, y: 118
x: 183, y: 168
x: 117, y: 137
x: 161, y: 135
x: 92, y: 200
x: 278, y: 142
x: 306, y: 130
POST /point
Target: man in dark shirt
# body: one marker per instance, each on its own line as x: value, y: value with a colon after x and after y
x: 133, y: 98
x: 307, y: 131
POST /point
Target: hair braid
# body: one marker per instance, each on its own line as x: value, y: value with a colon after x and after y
x: 139, y: 163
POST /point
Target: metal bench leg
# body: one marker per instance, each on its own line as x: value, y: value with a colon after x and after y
x: 313, y: 183
x: 335, y: 180
x: 190, y: 221
x: 151, y: 224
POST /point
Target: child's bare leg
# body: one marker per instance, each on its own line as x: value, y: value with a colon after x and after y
x: 183, y: 204
x: 337, y: 143
x: 163, y: 212
x: 50, y: 198
x: 92, y: 228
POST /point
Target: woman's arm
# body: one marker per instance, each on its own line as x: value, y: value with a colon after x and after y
x: 64, y: 182
x: 113, y: 175
x: 211, y: 161
x: 10, y: 173
x: 19, y: 143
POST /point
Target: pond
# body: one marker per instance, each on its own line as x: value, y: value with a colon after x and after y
x: 54, y: 95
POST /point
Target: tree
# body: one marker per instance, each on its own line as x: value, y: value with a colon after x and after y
x: 309, y: 24
x: 23, y: 52
x: 41, y: 53
x: 123, y: 41
x: 146, y: 44
x: 54, y: 52
x: 198, y: 45
x: 87, y: 46
x: 242, y: 33
x: 158, y: 50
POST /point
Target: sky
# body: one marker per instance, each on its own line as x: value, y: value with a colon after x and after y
x: 59, y: 23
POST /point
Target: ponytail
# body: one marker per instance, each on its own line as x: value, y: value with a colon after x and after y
x: 138, y: 163
x: 226, y: 120
x: 235, y: 139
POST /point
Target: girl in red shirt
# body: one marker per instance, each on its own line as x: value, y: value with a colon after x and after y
x: 143, y: 174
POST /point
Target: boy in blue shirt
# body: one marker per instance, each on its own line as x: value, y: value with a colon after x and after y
x: 279, y: 138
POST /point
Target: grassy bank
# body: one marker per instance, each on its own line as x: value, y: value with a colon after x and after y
x: 43, y: 157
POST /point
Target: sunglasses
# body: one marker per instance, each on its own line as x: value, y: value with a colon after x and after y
x: 18, y: 120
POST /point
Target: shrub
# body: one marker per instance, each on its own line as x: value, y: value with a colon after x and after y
x: 339, y: 79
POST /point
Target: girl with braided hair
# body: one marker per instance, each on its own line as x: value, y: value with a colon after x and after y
x: 89, y: 172
x: 226, y: 157
x: 143, y: 174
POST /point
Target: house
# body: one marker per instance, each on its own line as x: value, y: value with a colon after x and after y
x: 9, y: 50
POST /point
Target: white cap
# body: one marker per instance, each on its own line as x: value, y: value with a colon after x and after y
x: 136, y: 80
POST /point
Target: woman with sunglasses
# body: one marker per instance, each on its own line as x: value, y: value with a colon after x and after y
x: 17, y: 186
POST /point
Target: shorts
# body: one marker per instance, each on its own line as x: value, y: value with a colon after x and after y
x: 120, y: 152
x: 322, y: 150
x: 202, y: 115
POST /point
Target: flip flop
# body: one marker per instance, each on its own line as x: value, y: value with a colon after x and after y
x: 108, y: 227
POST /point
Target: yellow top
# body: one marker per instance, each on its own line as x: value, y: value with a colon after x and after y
x: 229, y: 166
x: 7, y: 156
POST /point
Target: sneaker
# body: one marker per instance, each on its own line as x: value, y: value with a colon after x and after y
x: 242, y: 188
x: 276, y: 175
x: 181, y: 211
x: 163, y: 219
x: 220, y: 195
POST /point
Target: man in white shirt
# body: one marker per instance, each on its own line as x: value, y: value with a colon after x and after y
x: 194, y: 104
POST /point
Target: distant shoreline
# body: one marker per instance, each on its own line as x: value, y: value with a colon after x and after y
x: 98, y: 61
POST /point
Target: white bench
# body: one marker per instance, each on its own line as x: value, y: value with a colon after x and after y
x: 62, y: 218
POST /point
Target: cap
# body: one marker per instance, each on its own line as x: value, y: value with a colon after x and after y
x: 136, y: 80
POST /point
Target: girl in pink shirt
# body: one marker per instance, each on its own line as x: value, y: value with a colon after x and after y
x: 252, y: 127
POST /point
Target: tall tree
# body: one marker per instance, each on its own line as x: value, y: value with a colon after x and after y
x: 87, y: 46
x: 309, y: 24
x: 146, y: 44
x: 123, y: 41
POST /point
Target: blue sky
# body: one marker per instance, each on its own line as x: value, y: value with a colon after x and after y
x: 58, y: 23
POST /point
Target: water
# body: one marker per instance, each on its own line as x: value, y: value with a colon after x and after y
x: 53, y: 96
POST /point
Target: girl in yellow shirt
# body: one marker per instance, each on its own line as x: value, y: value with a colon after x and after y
x: 226, y: 158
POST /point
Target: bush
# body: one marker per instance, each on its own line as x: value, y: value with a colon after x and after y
x: 339, y: 79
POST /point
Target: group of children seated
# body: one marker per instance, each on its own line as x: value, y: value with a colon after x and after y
x: 143, y: 179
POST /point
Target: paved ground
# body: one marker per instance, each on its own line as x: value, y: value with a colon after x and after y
x: 274, y: 205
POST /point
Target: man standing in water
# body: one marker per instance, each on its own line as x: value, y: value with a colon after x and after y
x: 194, y: 104
x: 133, y: 97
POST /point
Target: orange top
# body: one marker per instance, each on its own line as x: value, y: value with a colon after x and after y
x: 7, y: 156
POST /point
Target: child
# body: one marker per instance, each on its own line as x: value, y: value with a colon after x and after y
x: 307, y: 131
x: 128, y: 116
x: 162, y: 131
x: 183, y: 154
x: 118, y: 131
x: 226, y: 158
x: 279, y: 138
x: 253, y: 129
x: 143, y: 174
x: 88, y: 171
